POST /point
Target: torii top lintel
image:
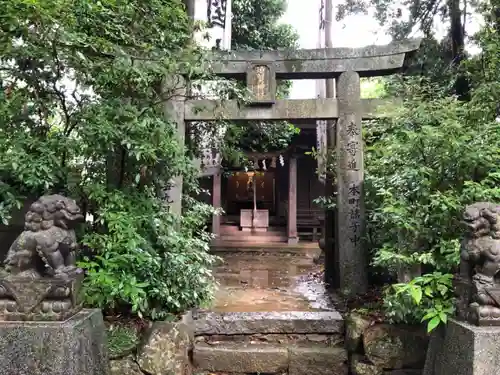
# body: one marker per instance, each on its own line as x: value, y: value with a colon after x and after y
x: 320, y: 63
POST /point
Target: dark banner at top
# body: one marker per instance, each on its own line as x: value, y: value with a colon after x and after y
x: 216, y: 13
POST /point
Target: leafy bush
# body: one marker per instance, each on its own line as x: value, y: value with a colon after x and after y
x: 148, y: 259
x: 425, y: 163
x: 426, y: 298
x: 83, y: 113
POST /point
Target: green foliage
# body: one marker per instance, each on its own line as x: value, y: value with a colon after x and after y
x: 261, y: 136
x: 401, y: 18
x: 432, y: 60
x: 373, y: 87
x: 144, y: 261
x: 426, y: 298
x: 440, y: 56
x: 256, y: 25
x: 328, y: 203
x: 330, y: 161
x: 424, y: 163
x: 82, y: 112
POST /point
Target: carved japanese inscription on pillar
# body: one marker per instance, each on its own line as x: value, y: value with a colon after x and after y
x: 350, y: 207
x: 352, y: 146
x: 261, y: 82
x: 354, y: 216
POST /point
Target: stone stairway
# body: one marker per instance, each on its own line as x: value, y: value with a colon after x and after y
x: 293, y: 343
x: 232, y: 233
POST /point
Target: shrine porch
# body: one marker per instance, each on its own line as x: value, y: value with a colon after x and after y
x: 220, y: 245
x: 275, y: 236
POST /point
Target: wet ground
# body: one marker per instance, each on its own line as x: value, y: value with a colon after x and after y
x: 270, y: 281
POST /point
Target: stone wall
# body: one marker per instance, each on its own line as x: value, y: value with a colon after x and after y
x: 293, y: 343
x: 360, y: 347
x: 384, y: 349
x: 163, y: 348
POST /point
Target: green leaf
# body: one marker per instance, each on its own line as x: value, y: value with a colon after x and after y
x: 416, y: 293
x: 443, y: 317
x: 428, y: 291
x: 433, y: 323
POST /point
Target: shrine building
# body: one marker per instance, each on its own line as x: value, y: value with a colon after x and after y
x: 273, y: 203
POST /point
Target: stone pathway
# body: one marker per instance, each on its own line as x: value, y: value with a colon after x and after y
x: 272, y: 315
x: 270, y: 281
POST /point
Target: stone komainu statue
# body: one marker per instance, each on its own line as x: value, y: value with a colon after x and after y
x: 478, y: 285
x: 41, y: 280
x: 48, y: 244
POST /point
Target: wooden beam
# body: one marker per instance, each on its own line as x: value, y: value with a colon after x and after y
x: 209, y: 171
x: 292, y: 234
x: 287, y: 109
x: 321, y: 63
x: 216, y: 201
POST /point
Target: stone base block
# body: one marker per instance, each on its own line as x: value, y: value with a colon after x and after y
x: 464, y: 349
x: 234, y: 358
x: 165, y: 349
x: 285, y: 322
x: 317, y: 361
x: 76, y: 346
x: 45, y: 299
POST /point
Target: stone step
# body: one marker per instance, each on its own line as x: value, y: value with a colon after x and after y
x: 276, y: 249
x: 237, y: 230
x: 270, y: 359
x: 300, y: 245
x: 265, y: 259
x: 286, y: 322
x: 300, y: 266
x: 240, y: 358
x: 255, y: 238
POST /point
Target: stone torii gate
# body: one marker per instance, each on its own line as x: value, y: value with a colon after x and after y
x: 261, y: 69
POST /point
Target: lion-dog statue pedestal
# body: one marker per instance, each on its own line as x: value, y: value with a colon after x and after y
x: 470, y: 344
x: 43, y: 328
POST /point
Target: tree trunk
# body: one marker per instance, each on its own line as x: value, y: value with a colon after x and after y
x: 189, y: 7
x: 496, y: 17
x: 457, y: 38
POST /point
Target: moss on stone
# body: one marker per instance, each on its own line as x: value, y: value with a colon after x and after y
x: 122, y: 340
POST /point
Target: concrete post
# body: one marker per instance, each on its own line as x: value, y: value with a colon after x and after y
x: 350, y: 206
